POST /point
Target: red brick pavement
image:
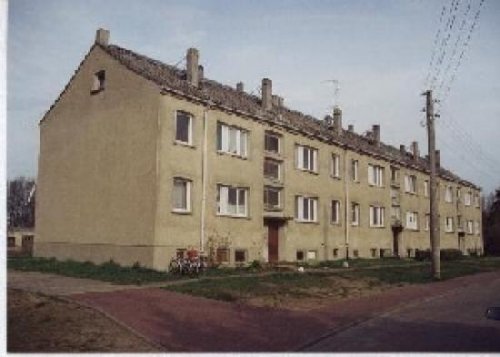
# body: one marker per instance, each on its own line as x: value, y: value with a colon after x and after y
x: 186, y: 323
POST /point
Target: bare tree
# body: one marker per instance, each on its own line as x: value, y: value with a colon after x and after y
x: 491, y: 223
x: 21, y: 203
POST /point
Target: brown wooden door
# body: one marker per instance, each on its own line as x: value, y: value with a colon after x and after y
x: 27, y: 245
x: 272, y: 241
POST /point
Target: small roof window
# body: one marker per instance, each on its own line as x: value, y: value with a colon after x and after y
x: 99, y: 82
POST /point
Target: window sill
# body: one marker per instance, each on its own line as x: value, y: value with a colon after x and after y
x: 336, y: 224
x: 182, y: 212
x: 183, y: 143
x: 273, y: 180
x: 96, y: 91
x: 273, y: 209
x: 219, y: 152
x: 338, y: 178
x: 273, y: 155
x: 375, y: 186
x: 354, y: 224
x: 308, y: 171
x: 232, y: 216
x: 306, y: 222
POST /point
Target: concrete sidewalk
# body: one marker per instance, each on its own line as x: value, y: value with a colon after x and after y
x: 186, y: 323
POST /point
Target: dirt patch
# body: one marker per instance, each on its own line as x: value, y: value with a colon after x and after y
x: 314, y: 297
x: 39, y: 323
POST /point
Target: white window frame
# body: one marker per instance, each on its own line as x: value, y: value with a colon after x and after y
x: 226, y: 134
x: 336, y: 219
x: 187, y: 209
x: 411, y: 184
x: 427, y: 225
x: 412, y: 220
x: 426, y: 188
x: 377, y: 216
x: 355, y: 170
x: 477, y: 228
x: 278, y: 190
x: 355, y: 214
x: 312, y: 209
x: 312, y: 158
x: 376, y: 175
x: 467, y: 198
x: 335, y: 166
x: 470, y: 226
x: 279, y: 169
x: 223, y: 207
x: 272, y: 134
x: 448, y: 194
x: 448, y: 224
x: 190, y: 127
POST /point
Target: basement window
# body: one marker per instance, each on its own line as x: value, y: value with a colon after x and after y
x: 222, y: 255
x: 240, y: 256
x: 99, y: 82
x: 335, y: 253
x: 300, y: 255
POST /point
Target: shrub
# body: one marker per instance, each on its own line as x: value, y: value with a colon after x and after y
x: 255, y: 265
x: 421, y: 255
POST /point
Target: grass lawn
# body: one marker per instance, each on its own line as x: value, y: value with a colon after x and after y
x: 312, y: 288
x: 109, y: 271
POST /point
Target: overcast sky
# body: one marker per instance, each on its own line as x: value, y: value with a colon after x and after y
x: 378, y: 50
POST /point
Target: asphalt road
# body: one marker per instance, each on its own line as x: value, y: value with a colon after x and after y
x: 454, y: 322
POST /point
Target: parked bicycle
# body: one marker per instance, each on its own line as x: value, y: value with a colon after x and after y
x: 193, y: 264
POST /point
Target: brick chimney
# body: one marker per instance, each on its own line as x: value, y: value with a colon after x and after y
x: 239, y: 86
x: 402, y: 149
x: 376, y: 134
x: 414, y: 150
x: 267, y: 93
x: 102, y: 37
x: 192, y: 69
x: 350, y: 128
x: 337, y: 120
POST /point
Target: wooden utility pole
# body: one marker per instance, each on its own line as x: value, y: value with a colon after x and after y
x: 434, y: 214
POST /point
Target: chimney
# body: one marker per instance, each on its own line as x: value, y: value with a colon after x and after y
x: 438, y: 158
x: 337, y: 120
x: 376, y: 134
x: 328, y: 121
x: 192, y: 69
x: 267, y: 93
x: 414, y: 150
x: 277, y: 101
x: 350, y: 128
x: 201, y: 72
x: 102, y: 37
x: 239, y: 86
x: 402, y: 149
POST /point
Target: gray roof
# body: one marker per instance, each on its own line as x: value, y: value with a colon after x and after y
x: 172, y: 79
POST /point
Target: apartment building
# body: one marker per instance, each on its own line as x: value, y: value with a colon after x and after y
x: 140, y: 160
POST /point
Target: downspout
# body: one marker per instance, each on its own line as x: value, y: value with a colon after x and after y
x: 204, y: 175
x: 346, y: 205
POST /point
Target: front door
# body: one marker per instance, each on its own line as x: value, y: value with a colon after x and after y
x: 272, y: 241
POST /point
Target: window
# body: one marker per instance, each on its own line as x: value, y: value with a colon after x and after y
x: 335, y: 218
x: 377, y: 216
x: 335, y: 253
x: 183, y: 127
x: 354, y: 170
x: 477, y: 230
x: 448, y: 224
x: 476, y: 200
x: 181, y: 195
x: 300, y: 255
x: 11, y: 241
x: 411, y: 183
x: 272, y: 169
x: 232, y: 140
x: 272, y: 142
x: 459, y: 194
x: 426, y: 188
x: 307, y: 158
x: 448, y: 194
x: 99, y: 82
x: 355, y: 214
x: 467, y: 198
x: 232, y: 201
x: 306, y: 208
x: 410, y: 253
x: 412, y: 220
x: 335, y: 166
x: 222, y: 255
x: 375, y: 175
x: 470, y: 226
x: 355, y: 253
x: 427, y: 222
x: 374, y: 252
x: 240, y: 256
x: 272, y: 198
x: 312, y: 255
x: 395, y: 176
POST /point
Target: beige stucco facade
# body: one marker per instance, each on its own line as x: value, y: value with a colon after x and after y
x: 108, y: 160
